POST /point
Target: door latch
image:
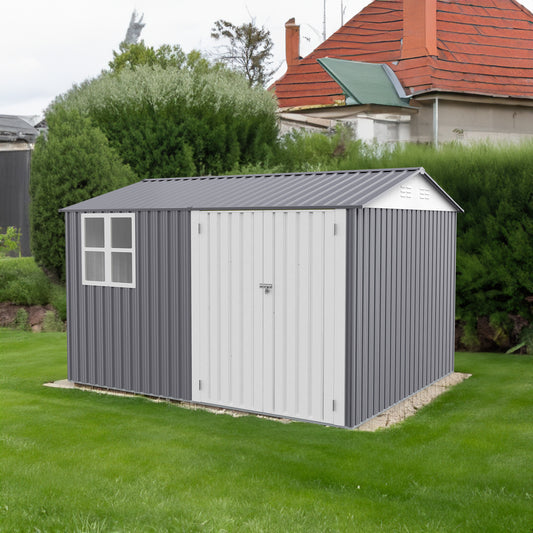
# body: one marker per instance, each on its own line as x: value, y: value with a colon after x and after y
x: 266, y: 286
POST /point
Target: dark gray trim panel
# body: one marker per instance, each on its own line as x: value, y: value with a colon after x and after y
x: 15, y: 194
x: 135, y: 339
x: 400, y: 306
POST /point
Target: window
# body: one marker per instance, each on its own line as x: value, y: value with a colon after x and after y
x: 108, y: 249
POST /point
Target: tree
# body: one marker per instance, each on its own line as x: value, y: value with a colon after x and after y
x: 132, y: 56
x: 248, y: 50
x: 72, y: 163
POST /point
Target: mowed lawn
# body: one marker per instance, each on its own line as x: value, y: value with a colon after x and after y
x: 81, y: 461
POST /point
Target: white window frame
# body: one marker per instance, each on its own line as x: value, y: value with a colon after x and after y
x: 107, y: 250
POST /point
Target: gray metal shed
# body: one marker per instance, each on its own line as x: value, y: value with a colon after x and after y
x: 325, y: 296
x: 16, y: 144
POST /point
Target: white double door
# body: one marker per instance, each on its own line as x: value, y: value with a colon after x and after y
x: 268, y: 311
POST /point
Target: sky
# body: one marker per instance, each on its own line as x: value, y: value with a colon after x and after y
x: 49, y: 45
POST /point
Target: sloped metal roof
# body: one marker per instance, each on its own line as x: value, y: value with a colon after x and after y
x: 13, y: 128
x: 302, y: 190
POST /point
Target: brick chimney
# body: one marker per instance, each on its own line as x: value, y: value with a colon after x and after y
x: 292, y: 43
x: 419, y: 28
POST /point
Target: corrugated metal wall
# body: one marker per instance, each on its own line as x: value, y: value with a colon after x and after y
x: 400, y: 287
x: 400, y: 313
x: 15, y: 193
x: 135, y: 339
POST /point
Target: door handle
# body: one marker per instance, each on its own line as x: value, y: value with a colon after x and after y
x: 266, y: 286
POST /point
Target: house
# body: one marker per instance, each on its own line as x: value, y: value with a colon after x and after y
x: 455, y: 70
x: 17, y: 138
x: 324, y: 297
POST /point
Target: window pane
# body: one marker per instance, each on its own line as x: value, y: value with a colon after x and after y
x: 120, y: 232
x: 94, y: 232
x: 94, y: 266
x: 121, y: 267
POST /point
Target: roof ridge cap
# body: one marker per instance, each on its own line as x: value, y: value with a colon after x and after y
x: 279, y: 174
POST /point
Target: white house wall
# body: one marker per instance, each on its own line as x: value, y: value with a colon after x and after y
x: 278, y: 350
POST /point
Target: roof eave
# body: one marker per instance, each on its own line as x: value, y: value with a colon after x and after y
x: 436, y: 92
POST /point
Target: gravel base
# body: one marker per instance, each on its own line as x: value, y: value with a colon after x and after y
x: 387, y: 418
x: 411, y: 405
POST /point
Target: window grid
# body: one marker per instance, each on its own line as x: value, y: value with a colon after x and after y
x: 107, y: 250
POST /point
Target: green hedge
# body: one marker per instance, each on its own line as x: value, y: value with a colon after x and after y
x: 494, y: 186
x: 72, y: 163
x: 22, y: 282
x: 173, y: 121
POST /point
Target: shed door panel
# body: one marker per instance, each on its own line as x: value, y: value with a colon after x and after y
x: 278, y: 350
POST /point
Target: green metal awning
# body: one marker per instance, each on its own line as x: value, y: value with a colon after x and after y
x: 366, y: 83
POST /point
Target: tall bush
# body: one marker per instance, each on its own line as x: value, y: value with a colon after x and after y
x: 176, y: 121
x: 494, y: 186
x: 23, y: 282
x: 72, y: 163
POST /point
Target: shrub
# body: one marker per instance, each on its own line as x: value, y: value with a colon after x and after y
x: 22, y: 282
x: 492, y: 183
x: 176, y: 121
x: 51, y: 322
x: 526, y: 341
x: 21, y: 320
x: 72, y: 163
x: 10, y: 242
x: 59, y: 301
x: 301, y: 151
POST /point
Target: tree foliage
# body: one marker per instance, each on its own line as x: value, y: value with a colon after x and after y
x: 247, y: 49
x: 157, y: 113
x: 131, y: 56
x: 492, y: 183
x: 10, y: 241
x: 72, y: 163
x: 172, y: 121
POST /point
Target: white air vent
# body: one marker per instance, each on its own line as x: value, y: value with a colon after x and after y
x: 423, y: 194
x: 415, y: 192
x: 406, y: 191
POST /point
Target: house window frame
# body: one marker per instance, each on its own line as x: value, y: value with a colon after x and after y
x: 107, y: 250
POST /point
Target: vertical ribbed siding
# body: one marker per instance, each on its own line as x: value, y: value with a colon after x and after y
x: 15, y: 195
x: 400, y: 308
x: 134, y: 339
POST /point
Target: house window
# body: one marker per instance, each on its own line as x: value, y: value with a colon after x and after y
x: 108, y: 249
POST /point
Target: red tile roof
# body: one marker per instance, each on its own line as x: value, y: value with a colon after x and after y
x: 484, y: 47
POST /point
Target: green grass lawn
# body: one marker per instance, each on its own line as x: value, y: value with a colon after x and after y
x: 81, y: 461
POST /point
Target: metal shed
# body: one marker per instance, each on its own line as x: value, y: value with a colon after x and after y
x: 16, y: 145
x: 325, y: 297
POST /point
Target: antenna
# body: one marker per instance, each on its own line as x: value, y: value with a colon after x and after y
x: 343, y: 10
x: 324, y: 23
